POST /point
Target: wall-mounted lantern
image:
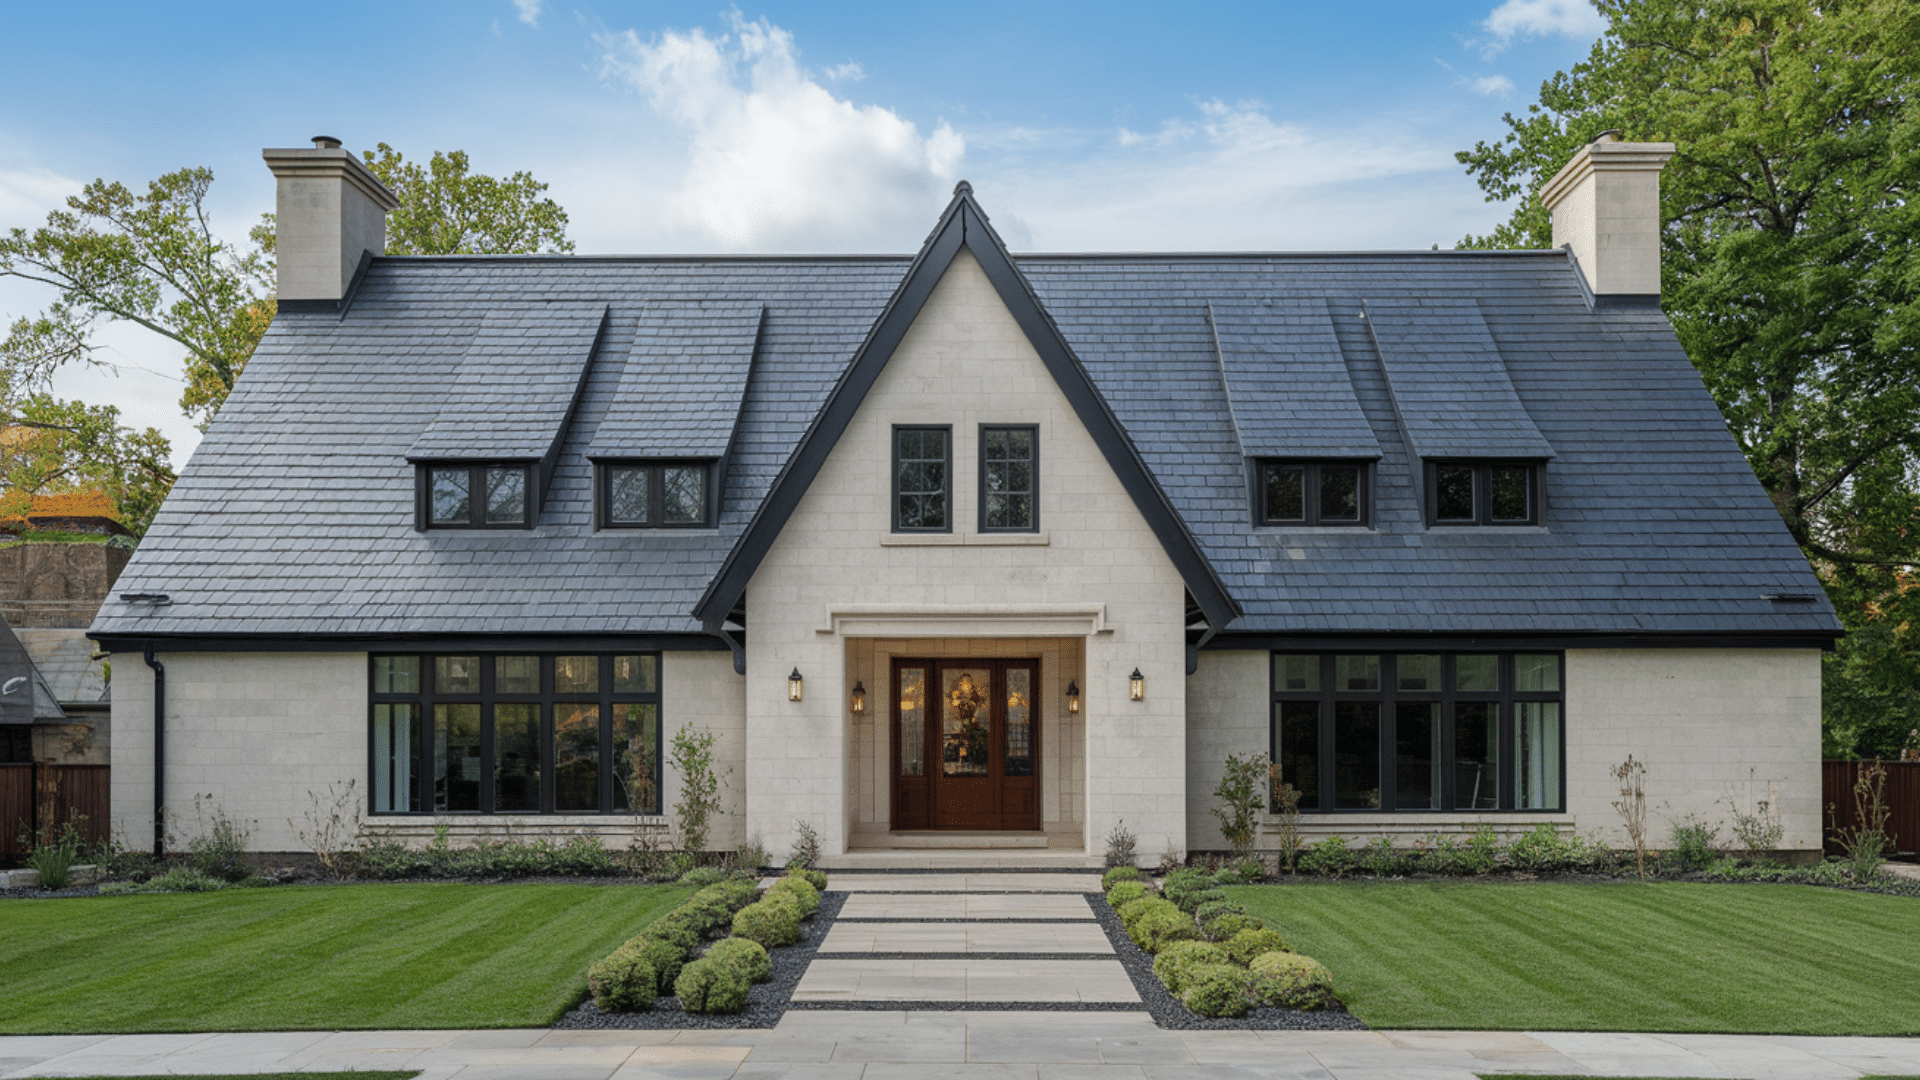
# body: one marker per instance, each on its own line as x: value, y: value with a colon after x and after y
x: 859, y: 704
x: 1136, y: 686
x: 1073, y: 697
x: 793, y: 685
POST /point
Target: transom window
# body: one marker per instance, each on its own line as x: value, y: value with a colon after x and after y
x: 477, y: 496
x: 1483, y: 493
x: 655, y: 494
x: 1009, y: 479
x: 1419, y: 731
x: 496, y: 733
x: 922, y: 479
x: 1312, y: 493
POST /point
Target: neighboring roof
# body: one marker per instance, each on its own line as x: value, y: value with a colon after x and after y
x: 25, y: 696
x: 65, y: 660
x: 296, y: 514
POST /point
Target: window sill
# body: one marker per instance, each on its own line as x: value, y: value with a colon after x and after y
x: 965, y: 540
x: 1488, y: 530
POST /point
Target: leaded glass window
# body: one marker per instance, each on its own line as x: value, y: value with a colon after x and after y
x: 486, y: 496
x: 1311, y: 493
x: 1483, y: 493
x: 922, y: 479
x: 646, y: 495
x: 1009, y: 479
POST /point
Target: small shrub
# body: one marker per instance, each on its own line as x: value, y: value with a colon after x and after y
x: 770, y: 923
x: 1480, y: 854
x: 800, y: 891
x: 1163, y: 926
x: 1227, y: 927
x: 1286, y: 808
x: 1691, y: 846
x: 1289, y: 980
x: 1134, y: 910
x: 815, y: 878
x: 1247, y: 871
x: 180, y: 879
x: 1329, y: 858
x: 676, y: 932
x: 1243, y: 789
x: 55, y: 856
x: 1121, y: 845
x: 623, y: 981
x: 1244, y: 946
x: 747, y: 956
x: 748, y: 858
x: 709, y: 986
x: 1125, y: 892
x: 806, y: 846
x: 1177, y: 963
x: 692, y: 755
x: 702, y: 876
x: 1382, y: 859
x: 1756, y: 822
x: 1632, y: 806
x: 1184, y: 882
x: 220, y: 851
x: 1214, y: 909
x: 663, y: 956
x: 1865, y: 843
x: 1119, y: 874
x: 1543, y: 850
x: 1217, y: 990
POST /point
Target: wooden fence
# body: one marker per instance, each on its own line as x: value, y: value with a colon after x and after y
x: 36, y: 795
x: 1902, y: 797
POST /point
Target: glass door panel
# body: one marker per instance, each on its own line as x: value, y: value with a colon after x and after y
x: 912, y: 738
x: 456, y: 757
x: 1476, y: 755
x: 966, y: 722
x: 1019, y: 752
x: 576, y: 765
x: 1356, y: 755
x: 1416, y: 775
x: 636, y: 781
x: 516, y: 755
x: 1298, y: 739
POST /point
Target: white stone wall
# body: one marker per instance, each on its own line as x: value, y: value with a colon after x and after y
x: 702, y: 689
x: 1227, y: 707
x: 965, y: 362
x: 1705, y: 722
x: 251, y: 733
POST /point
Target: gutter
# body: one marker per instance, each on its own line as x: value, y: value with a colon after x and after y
x: 159, y: 753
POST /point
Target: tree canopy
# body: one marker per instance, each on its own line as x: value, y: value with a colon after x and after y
x: 1791, y: 261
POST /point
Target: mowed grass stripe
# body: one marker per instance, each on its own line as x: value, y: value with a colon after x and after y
x: 1609, y: 957
x: 351, y: 956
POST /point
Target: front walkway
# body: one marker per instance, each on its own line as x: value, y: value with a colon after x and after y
x: 950, y: 975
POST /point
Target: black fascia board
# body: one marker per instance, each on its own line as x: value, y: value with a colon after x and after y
x: 962, y: 225
x: 116, y: 641
x: 1520, y: 641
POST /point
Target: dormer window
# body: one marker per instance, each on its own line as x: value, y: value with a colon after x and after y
x: 1312, y: 493
x: 1483, y: 493
x: 481, y: 495
x: 656, y: 494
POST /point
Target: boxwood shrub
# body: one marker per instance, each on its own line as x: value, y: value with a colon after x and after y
x: 1247, y: 944
x: 1216, y: 990
x: 1226, y: 927
x: 1162, y: 926
x: 1119, y: 874
x: 623, y: 980
x: 711, y: 986
x: 803, y: 893
x: 1125, y: 892
x: 1182, y: 884
x: 747, y: 956
x: 1178, y: 962
x: 769, y: 923
x: 1289, y: 980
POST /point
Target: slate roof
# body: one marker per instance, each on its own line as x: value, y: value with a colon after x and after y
x: 295, y: 516
x: 513, y: 388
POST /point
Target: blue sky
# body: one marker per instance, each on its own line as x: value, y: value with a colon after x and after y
x: 797, y: 127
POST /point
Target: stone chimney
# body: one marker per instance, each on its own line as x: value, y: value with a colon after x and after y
x: 328, y: 211
x: 1606, y: 207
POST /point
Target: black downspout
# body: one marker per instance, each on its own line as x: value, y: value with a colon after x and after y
x: 159, y: 755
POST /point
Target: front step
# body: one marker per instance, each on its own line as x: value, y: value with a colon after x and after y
x: 967, y: 841
x: 960, y: 859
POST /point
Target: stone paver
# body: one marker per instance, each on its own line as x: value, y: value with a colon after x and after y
x: 965, y: 980
x: 967, y: 938
x: 961, y: 907
x: 966, y: 883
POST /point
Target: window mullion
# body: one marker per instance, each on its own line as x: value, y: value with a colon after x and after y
x: 1389, y: 753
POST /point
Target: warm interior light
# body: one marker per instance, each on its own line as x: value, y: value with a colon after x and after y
x: 1136, y: 685
x: 859, y: 696
x: 1073, y: 697
x: 793, y: 685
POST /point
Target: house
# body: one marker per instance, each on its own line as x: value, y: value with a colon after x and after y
x: 967, y: 549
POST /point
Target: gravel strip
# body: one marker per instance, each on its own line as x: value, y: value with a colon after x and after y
x: 1167, y: 1011
x: 765, y: 1001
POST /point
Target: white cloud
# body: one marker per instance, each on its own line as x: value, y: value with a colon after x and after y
x: 27, y: 194
x: 529, y: 12
x: 1570, y: 18
x: 1490, y: 85
x: 773, y: 159
x: 848, y: 72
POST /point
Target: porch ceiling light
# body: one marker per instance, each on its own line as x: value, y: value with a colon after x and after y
x: 1073, y: 697
x: 859, y: 696
x: 1137, y: 686
x: 793, y: 685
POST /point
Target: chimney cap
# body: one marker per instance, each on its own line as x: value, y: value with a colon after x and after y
x: 325, y: 142
x: 1609, y: 135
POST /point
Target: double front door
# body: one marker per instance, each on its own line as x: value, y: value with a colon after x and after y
x: 966, y: 744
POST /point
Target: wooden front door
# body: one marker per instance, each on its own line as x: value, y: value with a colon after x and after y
x: 966, y: 744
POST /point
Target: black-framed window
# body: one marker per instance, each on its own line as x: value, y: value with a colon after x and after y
x: 513, y: 733
x: 1404, y: 732
x: 477, y: 495
x: 922, y: 479
x: 1312, y: 493
x: 656, y: 494
x: 1009, y: 478
x: 1484, y: 492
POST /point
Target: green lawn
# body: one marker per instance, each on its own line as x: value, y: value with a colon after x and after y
x: 288, y: 958
x: 1783, y: 959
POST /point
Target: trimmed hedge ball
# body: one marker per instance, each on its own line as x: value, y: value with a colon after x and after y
x: 664, y: 957
x: 1119, y: 874
x: 769, y: 923
x: 745, y: 955
x: 1161, y: 927
x: 676, y: 932
x: 1177, y: 963
x: 1247, y: 944
x: 702, y: 876
x: 1125, y: 892
x: 1216, y: 990
x: 1289, y: 980
x: 1227, y: 927
x: 803, y: 893
x: 709, y: 986
x: 623, y: 981
x: 815, y: 878
x: 1193, y: 901
x: 1213, y: 909
x: 1133, y: 911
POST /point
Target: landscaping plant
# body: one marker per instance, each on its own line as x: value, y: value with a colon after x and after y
x: 1120, y: 845
x: 1118, y: 874
x: 1756, y: 822
x: 711, y: 986
x: 330, y: 825
x: 692, y: 756
x: 1217, y: 990
x: 219, y: 848
x: 1179, y: 962
x: 1286, y: 810
x: 1632, y: 805
x: 1289, y: 980
x: 746, y: 956
x: 55, y: 854
x: 1692, y: 844
x: 806, y: 845
x: 1865, y: 842
x: 1243, y: 790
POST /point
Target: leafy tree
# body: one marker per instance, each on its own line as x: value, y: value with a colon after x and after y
x: 64, y: 446
x: 1791, y: 262
x: 445, y: 210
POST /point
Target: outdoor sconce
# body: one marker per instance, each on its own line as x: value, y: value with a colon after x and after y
x: 859, y: 697
x: 1073, y: 697
x: 1136, y: 686
x: 793, y: 685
